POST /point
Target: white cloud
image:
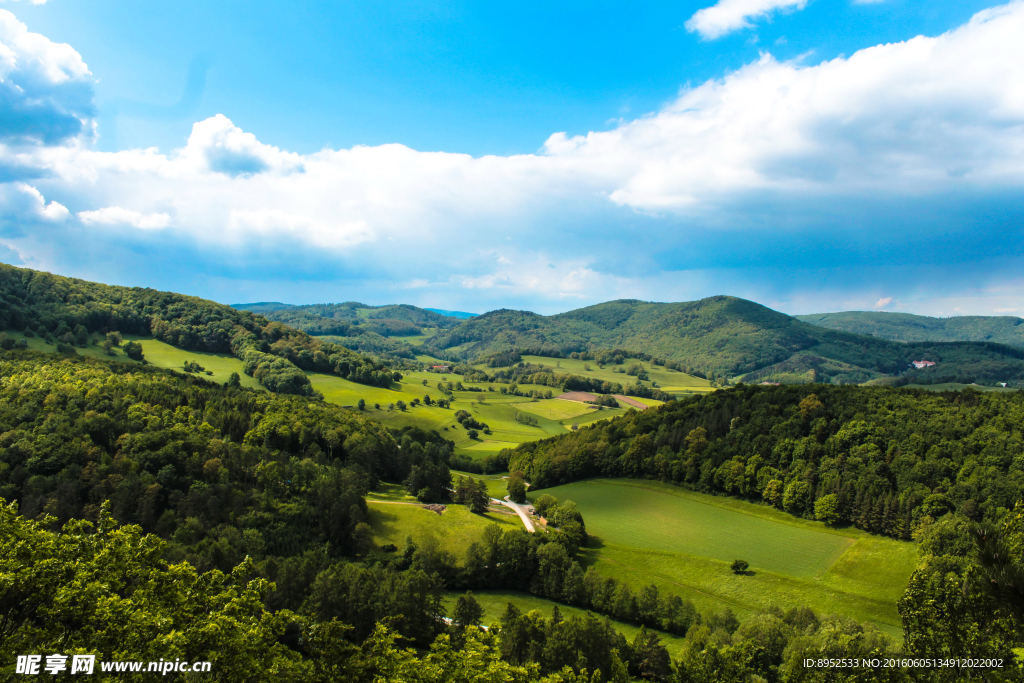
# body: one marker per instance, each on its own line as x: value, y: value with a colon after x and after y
x: 223, y: 147
x: 882, y: 303
x: 731, y: 15
x: 116, y: 215
x: 31, y: 2
x: 45, y: 87
x: 20, y: 202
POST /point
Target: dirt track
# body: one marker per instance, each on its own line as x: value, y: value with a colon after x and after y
x: 631, y: 402
x: 579, y: 396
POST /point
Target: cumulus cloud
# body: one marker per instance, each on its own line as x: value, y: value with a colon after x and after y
x: 46, y: 92
x: 883, y: 302
x: 22, y: 203
x: 731, y: 15
x: 226, y: 148
x: 116, y: 215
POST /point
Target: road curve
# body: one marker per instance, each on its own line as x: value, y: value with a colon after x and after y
x: 519, y: 510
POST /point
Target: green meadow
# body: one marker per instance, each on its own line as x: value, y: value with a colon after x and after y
x: 667, y: 380
x: 494, y: 603
x: 453, y: 530
x: 493, y: 408
x: 647, y: 532
x: 161, y: 355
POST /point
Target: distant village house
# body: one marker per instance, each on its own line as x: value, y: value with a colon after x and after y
x: 922, y: 364
x: 440, y: 368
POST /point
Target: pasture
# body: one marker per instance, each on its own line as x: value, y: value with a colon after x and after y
x: 648, y: 532
x: 160, y: 355
x: 453, y: 530
x: 494, y: 603
x: 493, y: 408
x: 667, y: 380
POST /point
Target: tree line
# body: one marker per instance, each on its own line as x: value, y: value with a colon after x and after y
x: 880, y: 459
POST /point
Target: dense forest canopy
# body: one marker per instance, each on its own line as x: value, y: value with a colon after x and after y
x: 907, y: 327
x: 727, y: 335
x: 69, y: 310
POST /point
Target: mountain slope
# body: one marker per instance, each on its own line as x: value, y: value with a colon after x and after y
x: 907, y: 327
x: 720, y: 334
x: 73, y: 311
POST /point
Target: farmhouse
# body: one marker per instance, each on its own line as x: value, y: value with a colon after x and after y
x: 922, y: 364
x: 440, y: 368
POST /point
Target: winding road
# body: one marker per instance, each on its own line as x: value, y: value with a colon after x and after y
x: 519, y: 510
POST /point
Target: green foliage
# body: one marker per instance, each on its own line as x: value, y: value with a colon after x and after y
x: 906, y: 327
x: 739, y: 566
x: 881, y: 452
x: 108, y: 591
x: 517, y: 487
x: 826, y: 509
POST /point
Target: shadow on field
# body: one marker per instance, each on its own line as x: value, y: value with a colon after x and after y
x: 594, y: 542
x: 746, y: 572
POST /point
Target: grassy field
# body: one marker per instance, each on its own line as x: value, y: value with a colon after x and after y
x: 161, y: 355
x: 647, y: 532
x: 454, y: 529
x: 497, y: 484
x: 494, y: 602
x: 667, y: 380
x: 497, y: 410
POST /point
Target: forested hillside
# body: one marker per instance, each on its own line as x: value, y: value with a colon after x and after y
x: 878, y: 458
x: 70, y: 310
x: 725, y: 335
x: 368, y: 329
x: 906, y: 327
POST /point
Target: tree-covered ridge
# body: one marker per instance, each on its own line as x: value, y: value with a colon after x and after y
x: 222, y: 472
x: 723, y: 335
x: 879, y: 458
x: 906, y: 327
x: 69, y: 310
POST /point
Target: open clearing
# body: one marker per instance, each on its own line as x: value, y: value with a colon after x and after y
x: 161, y: 355
x: 454, y: 529
x: 667, y: 380
x: 496, y: 410
x: 494, y: 603
x: 648, y: 532
x: 556, y: 408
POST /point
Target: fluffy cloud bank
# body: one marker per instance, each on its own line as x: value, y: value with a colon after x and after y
x: 903, y: 122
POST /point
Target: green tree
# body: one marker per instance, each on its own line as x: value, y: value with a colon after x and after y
x: 826, y: 509
x: 517, y: 487
x: 133, y: 350
x: 234, y: 380
x: 739, y: 566
x: 467, y: 611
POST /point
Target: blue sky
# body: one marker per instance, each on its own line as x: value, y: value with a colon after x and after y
x: 812, y: 156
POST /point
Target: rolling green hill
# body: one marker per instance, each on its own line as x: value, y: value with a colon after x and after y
x: 391, y: 330
x: 74, y: 313
x: 906, y: 327
x: 725, y: 336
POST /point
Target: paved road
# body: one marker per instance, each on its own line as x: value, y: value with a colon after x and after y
x: 519, y: 510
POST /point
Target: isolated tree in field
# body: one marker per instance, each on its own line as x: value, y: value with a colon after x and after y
x: 400, y: 405
x: 478, y: 498
x: 114, y: 338
x: 133, y: 350
x: 468, y: 611
x: 473, y: 434
x: 739, y: 566
x: 517, y: 487
x: 826, y: 509
x: 361, y: 404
